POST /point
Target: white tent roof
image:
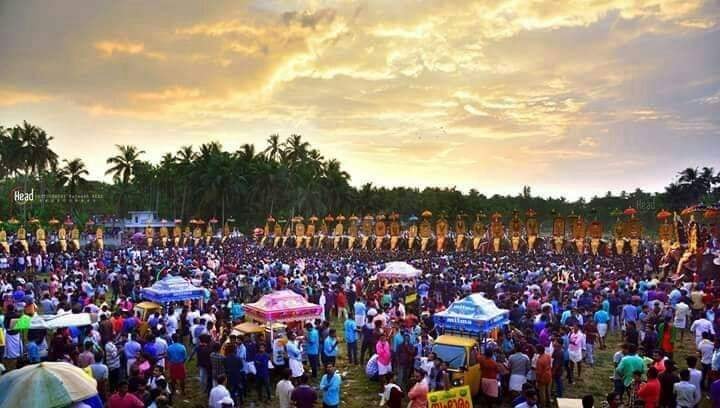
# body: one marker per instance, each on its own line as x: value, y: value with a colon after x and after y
x: 67, y: 320
x: 399, y: 270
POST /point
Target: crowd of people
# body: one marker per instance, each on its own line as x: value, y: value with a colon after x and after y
x: 563, y: 308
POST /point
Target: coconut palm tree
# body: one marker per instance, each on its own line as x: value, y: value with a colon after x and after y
x: 274, y: 148
x: 40, y: 155
x: 295, y: 148
x: 71, y: 176
x: 124, y: 164
x: 246, y: 153
x: 335, y: 181
x: 185, y: 157
x: 123, y: 167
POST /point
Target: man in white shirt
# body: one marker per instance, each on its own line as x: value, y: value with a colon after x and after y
x: 706, y: 348
x: 284, y: 390
x: 161, y: 346
x: 219, y: 392
x: 13, y: 349
x: 695, y: 375
x: 171, y: 323
x: 682, y: 317
x: 685, y: 393
x: 701, y: 326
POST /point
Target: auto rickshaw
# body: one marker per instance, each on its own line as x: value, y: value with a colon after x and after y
x: 147, y: 309
x: 461, y: 354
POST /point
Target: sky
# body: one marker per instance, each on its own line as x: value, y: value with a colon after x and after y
x: 572, y: 97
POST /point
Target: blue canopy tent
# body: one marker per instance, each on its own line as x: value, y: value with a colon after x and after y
x: 474, y: 314
x: 172, y: 289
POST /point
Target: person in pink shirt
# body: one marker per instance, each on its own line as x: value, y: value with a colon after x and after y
x: 123, y: 399
x: 419, y: 392
x: 382, y: 348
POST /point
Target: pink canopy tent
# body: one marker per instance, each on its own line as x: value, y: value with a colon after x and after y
x: 282, y: 306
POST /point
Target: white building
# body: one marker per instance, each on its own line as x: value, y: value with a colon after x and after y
x: 141, y: 219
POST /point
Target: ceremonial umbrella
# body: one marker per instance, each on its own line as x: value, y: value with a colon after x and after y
x: 630, y: 211
x: 663, y: 215
x: 693, y: 209
x: 213, y: 220
x: 53, y: 221
x: 69, y: 221
x: 46, y: 385
x: 13, y: 221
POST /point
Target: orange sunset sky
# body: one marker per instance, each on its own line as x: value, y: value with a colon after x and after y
x: 570, y: 97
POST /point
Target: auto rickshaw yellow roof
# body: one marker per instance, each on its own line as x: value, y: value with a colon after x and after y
x: 252, y: 327
x: 249, y: 327
x: 453, y: 340
x: 148, y: 305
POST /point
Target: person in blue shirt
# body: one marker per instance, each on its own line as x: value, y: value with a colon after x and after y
x: 397, y: 340
x: 236, y: 311
x: 351, y: 338
x: 629, y: 313
x: 132, y: 351
x: 33, y: 350
x: 312, y: 348
x: 176, y: 356
x: 330, y: 386
x: 262, y: 376
x: 360, y: 311
x: 330, y: 348
x: 602, y: 318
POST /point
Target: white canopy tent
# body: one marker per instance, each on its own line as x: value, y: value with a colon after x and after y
x: 398, y: 270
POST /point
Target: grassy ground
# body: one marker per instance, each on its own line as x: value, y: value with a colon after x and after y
x: 358, y: 391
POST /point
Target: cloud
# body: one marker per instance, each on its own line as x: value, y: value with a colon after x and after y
x: 588, y: 141
x: 308, y: 18
x: 527, y: 81
x: 474, y: 111
x: 11, y: 97
x: 110, y: 48
x: 710, y: 100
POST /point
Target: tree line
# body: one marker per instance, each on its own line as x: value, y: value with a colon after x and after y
x: 287, y: 177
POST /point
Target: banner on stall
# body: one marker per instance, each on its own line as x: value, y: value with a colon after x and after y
x: 458, y: 397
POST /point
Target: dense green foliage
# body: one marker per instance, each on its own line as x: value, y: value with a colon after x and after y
x: 285, y: 178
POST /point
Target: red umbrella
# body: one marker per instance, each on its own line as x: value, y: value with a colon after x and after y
x: 663, y: 215
x: 68, y: 221
x: 630, y: 211
x: 711, y: 213
x: 698, y: 208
